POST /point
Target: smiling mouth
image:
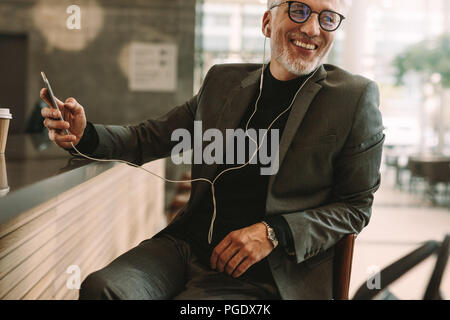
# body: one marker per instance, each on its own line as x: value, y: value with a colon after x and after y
x: 304, y: 45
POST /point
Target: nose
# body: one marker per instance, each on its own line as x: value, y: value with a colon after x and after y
x: 311, y: 27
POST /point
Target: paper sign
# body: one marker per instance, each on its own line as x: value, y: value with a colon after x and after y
x: 153, y: 67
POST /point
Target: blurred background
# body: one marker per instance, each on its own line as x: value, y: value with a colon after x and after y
x: 128, y: 60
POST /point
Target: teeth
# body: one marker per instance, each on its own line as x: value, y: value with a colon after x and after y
x: 304, y: 45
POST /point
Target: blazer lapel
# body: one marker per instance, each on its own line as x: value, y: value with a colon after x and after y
x: 298, y: 111
x: 239, y: 101
x: 234, y: 109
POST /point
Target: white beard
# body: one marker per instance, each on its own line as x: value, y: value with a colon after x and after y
x: 297, y: 66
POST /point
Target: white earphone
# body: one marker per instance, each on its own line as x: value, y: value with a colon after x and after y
x: 210, y: 233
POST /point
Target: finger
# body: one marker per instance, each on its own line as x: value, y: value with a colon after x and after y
x: 50, y: 113
x: 56, y: 124
x: 51, y: 135
x: 225, y: 257
x: 218, y: 250
x: 63, y: 138
x: 235, y: 261
x: 46, y: 97
x: 242, y: 267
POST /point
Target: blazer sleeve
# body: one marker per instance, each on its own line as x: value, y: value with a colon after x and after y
x: 356, y: 178
x: 149, y: 140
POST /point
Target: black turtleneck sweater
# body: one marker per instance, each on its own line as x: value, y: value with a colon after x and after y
x: 240, y: 194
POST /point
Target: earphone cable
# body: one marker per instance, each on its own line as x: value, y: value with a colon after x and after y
x: 212, y: 183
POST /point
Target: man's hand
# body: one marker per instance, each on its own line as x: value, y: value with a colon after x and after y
x: 241, y: 249
x: 75, y: 121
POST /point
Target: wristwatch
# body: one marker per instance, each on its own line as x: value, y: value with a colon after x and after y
x: 271, y: 234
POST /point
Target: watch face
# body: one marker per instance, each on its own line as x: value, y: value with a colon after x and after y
x: 271, y: 235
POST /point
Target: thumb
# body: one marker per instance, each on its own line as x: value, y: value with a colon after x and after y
x: 72, y: 105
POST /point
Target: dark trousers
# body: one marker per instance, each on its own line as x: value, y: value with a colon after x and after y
x: 166, y: 268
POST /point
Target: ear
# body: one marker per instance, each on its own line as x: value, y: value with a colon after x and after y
x: 266, y: 24
x: 267, y: 31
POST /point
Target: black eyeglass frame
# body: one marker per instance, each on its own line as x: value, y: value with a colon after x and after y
x: 311, y: 12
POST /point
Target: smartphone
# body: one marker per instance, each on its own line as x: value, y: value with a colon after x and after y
x: 52, y: 98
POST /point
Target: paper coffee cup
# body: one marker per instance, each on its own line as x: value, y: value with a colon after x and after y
x: 4, y: 188
x: 5, y: 118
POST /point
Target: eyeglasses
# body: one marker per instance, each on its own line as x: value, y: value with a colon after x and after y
x: 300, y: 12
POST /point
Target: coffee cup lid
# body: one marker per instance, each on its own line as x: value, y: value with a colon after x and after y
x: 4, y: 113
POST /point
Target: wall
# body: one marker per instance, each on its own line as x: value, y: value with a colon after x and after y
x: 91, y: 63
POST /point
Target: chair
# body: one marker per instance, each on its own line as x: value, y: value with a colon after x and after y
x: 437, y: 172
x: 397, y: 269
x: 342, y: 267
x: 416, y: 169
x: 434, y: 170
x: 432, y: 292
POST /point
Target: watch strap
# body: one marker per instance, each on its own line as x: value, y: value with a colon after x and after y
x: 271, y: 234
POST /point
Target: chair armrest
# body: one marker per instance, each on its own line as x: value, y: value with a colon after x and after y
x: 397, y: 269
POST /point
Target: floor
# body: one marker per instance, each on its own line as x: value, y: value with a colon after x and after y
x: 401, y: 221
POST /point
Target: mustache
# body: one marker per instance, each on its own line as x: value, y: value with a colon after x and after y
x: 304, y: 38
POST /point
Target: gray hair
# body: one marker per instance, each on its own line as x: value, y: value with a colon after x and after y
x: 271, y: 3
x: 345, y: 4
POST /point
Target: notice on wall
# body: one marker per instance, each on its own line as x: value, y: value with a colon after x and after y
x: 153, y: 67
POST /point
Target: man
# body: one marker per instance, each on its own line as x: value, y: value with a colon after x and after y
x: 273, y: 236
